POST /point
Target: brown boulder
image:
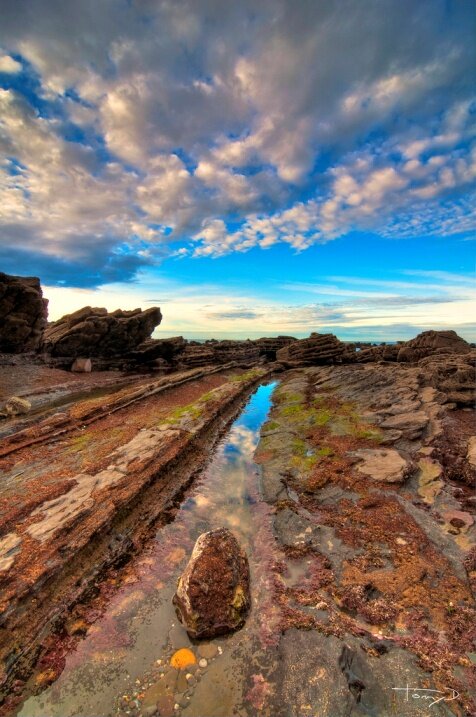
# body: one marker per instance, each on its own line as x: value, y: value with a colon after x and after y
x: 317, y: 349
x: 95, y: 332
x: 429, y: 343
x: 213, y: 593
x: 453, y: 375
x: 23, y: 313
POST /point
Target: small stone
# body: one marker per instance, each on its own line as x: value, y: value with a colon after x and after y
x: 220, y: 650
x: 182, y: 682
x: 202, y: 663
x: 207, y: 650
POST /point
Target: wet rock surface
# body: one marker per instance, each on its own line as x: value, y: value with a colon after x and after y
x: 378, y: 540
x: 23, y: 313
x: 213, y: 593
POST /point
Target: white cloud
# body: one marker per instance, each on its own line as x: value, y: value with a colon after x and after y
x: 9, y: 65
x: 187, y: 114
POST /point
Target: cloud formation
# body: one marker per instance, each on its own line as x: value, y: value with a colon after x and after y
x: 133, y: 131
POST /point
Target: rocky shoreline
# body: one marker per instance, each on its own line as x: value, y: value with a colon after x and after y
x: 368, y: 468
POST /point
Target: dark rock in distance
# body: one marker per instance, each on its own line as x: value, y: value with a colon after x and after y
x: 213, y: 592
x: 23, y: 313
x: 95, y: 332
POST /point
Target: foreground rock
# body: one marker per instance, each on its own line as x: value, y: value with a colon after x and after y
x: 317, y: 349
x: 213, y: 593
x: 95, y: 332
x: 23, y: 313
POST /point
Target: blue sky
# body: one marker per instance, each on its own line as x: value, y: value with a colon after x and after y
x: 253, y: 168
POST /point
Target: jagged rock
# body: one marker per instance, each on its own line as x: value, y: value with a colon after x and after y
x: 433, y: 342
x: 82, y: 365
x: 453, y: 375
x: 268, y: 347
x: 213, y: 593
x: 317, y: 349
x: 23, y: 313
x: 95, y: 332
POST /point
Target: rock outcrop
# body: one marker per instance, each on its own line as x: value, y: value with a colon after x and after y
x: 316, y: 350
x: 95, y: 332
x: 268, y: 347
x: 453, y: 375
x: 23, y: 313
x: 429, y: 343
x: 213, y: 593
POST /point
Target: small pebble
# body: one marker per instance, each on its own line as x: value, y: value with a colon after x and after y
x: 220, y: 650
x: 202, y: 662
x: 176, y: 706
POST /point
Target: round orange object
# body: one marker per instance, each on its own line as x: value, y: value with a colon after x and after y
x: 182, y: 658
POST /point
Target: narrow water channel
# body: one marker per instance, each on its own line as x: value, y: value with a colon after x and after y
x: 122, y: 665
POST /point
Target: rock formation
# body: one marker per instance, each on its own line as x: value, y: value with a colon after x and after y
x: 429, y: 343
x: 213, y: 593
x: 23, y: 313
x: 317, y: 349
x: 453, y: 375
x: 95, y: 332
x: 268, y: 347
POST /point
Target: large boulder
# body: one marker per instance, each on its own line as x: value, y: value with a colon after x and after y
x: 453, y: 375
x: 95, y: 332
x: 213, y: 593
x: 430, y: 343
x: 316, y: 350
x: 23, y: 313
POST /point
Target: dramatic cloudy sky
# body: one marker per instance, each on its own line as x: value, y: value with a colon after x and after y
x: 267, y: 167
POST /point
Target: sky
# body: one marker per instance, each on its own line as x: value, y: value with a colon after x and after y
x: 253, y: 168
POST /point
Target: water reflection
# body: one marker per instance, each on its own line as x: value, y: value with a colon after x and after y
x: 121, y: 659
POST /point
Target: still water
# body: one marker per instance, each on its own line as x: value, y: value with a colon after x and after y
x: 122, y: 665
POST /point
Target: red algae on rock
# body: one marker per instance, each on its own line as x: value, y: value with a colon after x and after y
x: 213, y: 593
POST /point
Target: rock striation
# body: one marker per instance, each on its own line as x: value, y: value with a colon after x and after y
x: 23, y: 313
x: 94, y: 332
x: 318, y: 349
x: 213, y: 593
x: 430, y: 343
x: 452, y: 375
x: 268, y: 347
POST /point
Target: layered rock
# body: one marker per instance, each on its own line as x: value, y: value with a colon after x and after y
x: 23, y: 313
x: 429, y: 343
x: 213, y: 593
x: 453, y: 375
x: 243, y: 352
x: 94, y: 332
x: 316, y: 350
x: 268, y: 347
